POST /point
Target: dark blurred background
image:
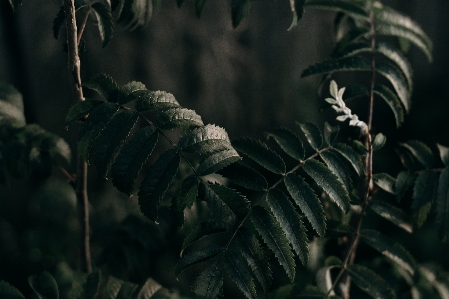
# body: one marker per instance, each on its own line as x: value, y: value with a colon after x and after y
x: 246, y: 80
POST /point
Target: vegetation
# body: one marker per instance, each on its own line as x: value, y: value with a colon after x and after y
x: 249, y: 208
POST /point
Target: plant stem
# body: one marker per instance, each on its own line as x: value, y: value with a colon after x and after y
x: 368, y: 182
x: 74, y: 66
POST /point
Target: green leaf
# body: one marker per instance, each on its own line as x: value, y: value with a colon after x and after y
x: 104, y: 85
x: 217, y: 161
x: 239, y: 10
x: 297, y: 8
x: 239, y: 274
x: 12, y: 112
x: 424, y: 194
x: 313, y: 135
x: 359, y: 148
x: 179, y: 118
x: 92, y: 285
x: 199, y: 4
x: 329, y: 182
x: 249, y: 247
x: 197, y: 256
x: 420, y: 151
x: 127, y: 290
x: 338, y: 65
x: 44, y: 286
x: 290, y: 222
x: 245, y: 176
x: 105, y: 22
x: 354, y: 9
x: 389, y: 248
x: 337, y: 229
x: 136, y: 14
x: 126, y: 92
x: 93, y: 125
x: 442, y: 205
x: 330, y: 133
x: 155, y: 184
x: 111, y: 287
x: 7, y: 291
x: 81, y: 109
x: 399, y: 59
x: 147, y: 100
x: 58, y: 21
x: 275, y: 238
x: 219, y: 211
x: 307, y: 201
x: 238, y: 203
x: 259, y: 152
x: 201, y: 231
x: 392, y: 101
x: 324, y: 279
x: 149, y: 288
x: 338, y: 167
x: 379, y: 141
x: 349, y: 154
x: 209, y: 283
x: 371, y: 283
x: 205, y: 140
x: 404, y: 181
x: 444, y: 154
x: 289, y: 142
x: 131, y: 158
x: 397, y: 80
x: 112, y: 138
x: 385, y: 182
x: 393, y: 214
x: 185, y: 196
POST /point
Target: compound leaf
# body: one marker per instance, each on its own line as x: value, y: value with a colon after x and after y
x: 289, y: 142
x: 420, y: 151
x: 329, y: 182
x: 209, y: 283
x: 81, y: 109
x: 245, y: 176
x: 238, y: 203
x: 392, y: 101
x: 249, y: 247
x: 389, y: 248
x: 424, y: 194
x: 307, y: 201
x: 219, y: 211
x: 338, y: 65
x: 147, y: 100
x: 313, y: 135
x: 385, y: 182
x: 259, y: 152
x: 112, y: 138
x: 205, y: 140
x: 399, y: 59
x: 131, y: 158
x: 126, y: 92
x: 155, y: 184
x: 338, y: 167
x: 393, y: 214
x: 179, y: 118
x: 290, y: 222
x: 217, y: 161
x: 200, y: 231
x: 185, y: 196
x: 397, y: 80
x: 349, y: 154
x: 197, y: 256
x: 239, y: 10
x: 274, y: 237
x: 105, y: 22
x: 104, y: 85
x: 239, y: 274
x: 371, y: 283
x: 98, y: 118
x: 442, y: 205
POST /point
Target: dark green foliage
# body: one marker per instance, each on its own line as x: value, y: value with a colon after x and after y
x: 205, y: 140
x: 424, y: 193
x: 370, y: 282
x: 420, y: 151
x: 92, y: 285
x: 352, y: 156
x: 252, y: 252
x: 8, y: 291
x: 152, y: 100
x: 442, y: 205
x: 297, y: 8
x: 313, y: 135
x: 404, y: 181
x: 185, y: 196
x: 135, y: 13
x: 290, y: 222
x: 58, y: 22
x: 155, y: 184
x: 385, y: 182
x: 238, y: 272
x: 289, y: 142
x: 307, y: 201
x: 330, y: 133
x: 379, y: 141
x: 201, y: 231
x: 105, y: 22
x: 104, y: 85
x: 131, y: 158
x: 337, y: 229
x: 198, y: 256
x: 259, y: 152
x: 274, y: 237
x: 179, y: 117
x: 239, y: 10
x: 217, y: 161
x: 209, y: 283
x: 81, y: 109
x: 393, y: 101
x: 338, y: 166
x: 444, y: 154
x: 393, y: 214
x: 244, y: 176
x: 125, y: 92
x: 44, y: 286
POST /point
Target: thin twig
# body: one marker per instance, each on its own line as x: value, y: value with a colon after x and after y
x: 83, y: 26
x: 74, y: 66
